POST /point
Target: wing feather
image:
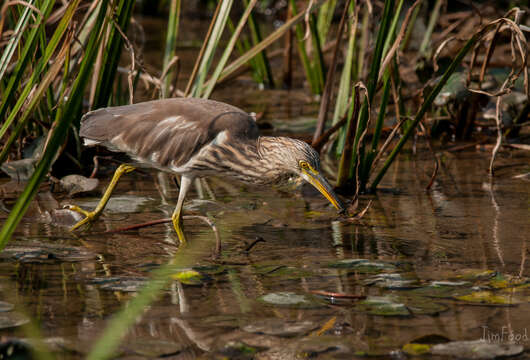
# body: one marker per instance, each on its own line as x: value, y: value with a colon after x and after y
x: 166, y: 132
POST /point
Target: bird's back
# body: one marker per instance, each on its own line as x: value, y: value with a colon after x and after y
x: 166, y: 133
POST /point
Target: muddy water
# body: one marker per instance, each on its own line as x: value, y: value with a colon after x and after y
x: 466, y: 231
x: 293, y: 279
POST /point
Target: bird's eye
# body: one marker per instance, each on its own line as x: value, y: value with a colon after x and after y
x: 304, y: 165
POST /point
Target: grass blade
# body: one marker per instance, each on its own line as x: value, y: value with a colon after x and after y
x: 171, y: 44
x: 209, y: 52
x: 72, y: 107
x: 372, y: 83
x: 111, y: 55
x: 228, y: 50
x: 23, y: 60
x: 425, y: 106
x: 11, y: 46
x: 266, y: 42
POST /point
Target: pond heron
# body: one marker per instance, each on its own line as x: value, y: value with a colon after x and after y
x: 195, y: 138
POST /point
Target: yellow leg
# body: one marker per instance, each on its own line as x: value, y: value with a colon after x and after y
x: 91, y: 216
x: 185, y: 183
x: 178, y: 225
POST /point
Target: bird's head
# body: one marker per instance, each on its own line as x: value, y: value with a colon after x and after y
x: 301, y: 159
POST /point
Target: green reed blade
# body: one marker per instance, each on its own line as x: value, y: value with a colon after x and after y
x: 325, y: 16
x: 62, y: 124
x: 372, y: 82
x: 18, y: 31
x: 228, y: 50
x: 311, y: 77
x: 61, y: 29
x: 171, y: 45
x: 426, y: 105
x: 211, y: 47
x: 25, y: 58
x: 261, y: 59
x: 346, y: 78
x: 111, y: 55
x: 265, y: 43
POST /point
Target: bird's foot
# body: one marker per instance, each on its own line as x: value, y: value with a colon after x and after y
x: 90, y: 216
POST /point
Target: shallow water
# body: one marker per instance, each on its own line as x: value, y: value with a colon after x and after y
x: 423, y: 252
x: 466, y: 230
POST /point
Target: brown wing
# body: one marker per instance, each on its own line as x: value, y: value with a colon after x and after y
x: 165, y: 132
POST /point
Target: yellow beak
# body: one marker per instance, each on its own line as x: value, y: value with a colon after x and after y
x: 321, y: 184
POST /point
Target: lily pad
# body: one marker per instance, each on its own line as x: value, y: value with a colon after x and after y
x: 424, y: 306
x: 20, y: 170
x: 476, y: 349
x: 5, y: 306
x: 120, y: 204
x: 290, y: 300
x: 415, y: 349
x: 476, y: 274
x: 489, y: 298
x: 280, y: 327
x: 501, y: 281
x: 383, y: 306
x: 12, y: 319
x: 362, y: 265
x: 444, y: 289
x: 78, y: 184
x: 392, y: 281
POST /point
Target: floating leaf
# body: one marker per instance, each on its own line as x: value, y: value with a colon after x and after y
x: 392, y: 281
x: 20, y: 170
x: 5, y: 306
x: 41, y: 252
x: 476, y: 349
x: 414, y: 349
x: 362, y: 265
x: 424, y: 306
x: 77, y: 184
x: 489, y: 298
x: 444, y: 289
x: 120, y: 204
x: 290, y: 299
x: 476, y: 274
x: 12, y: 319
x: 383, y: 306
